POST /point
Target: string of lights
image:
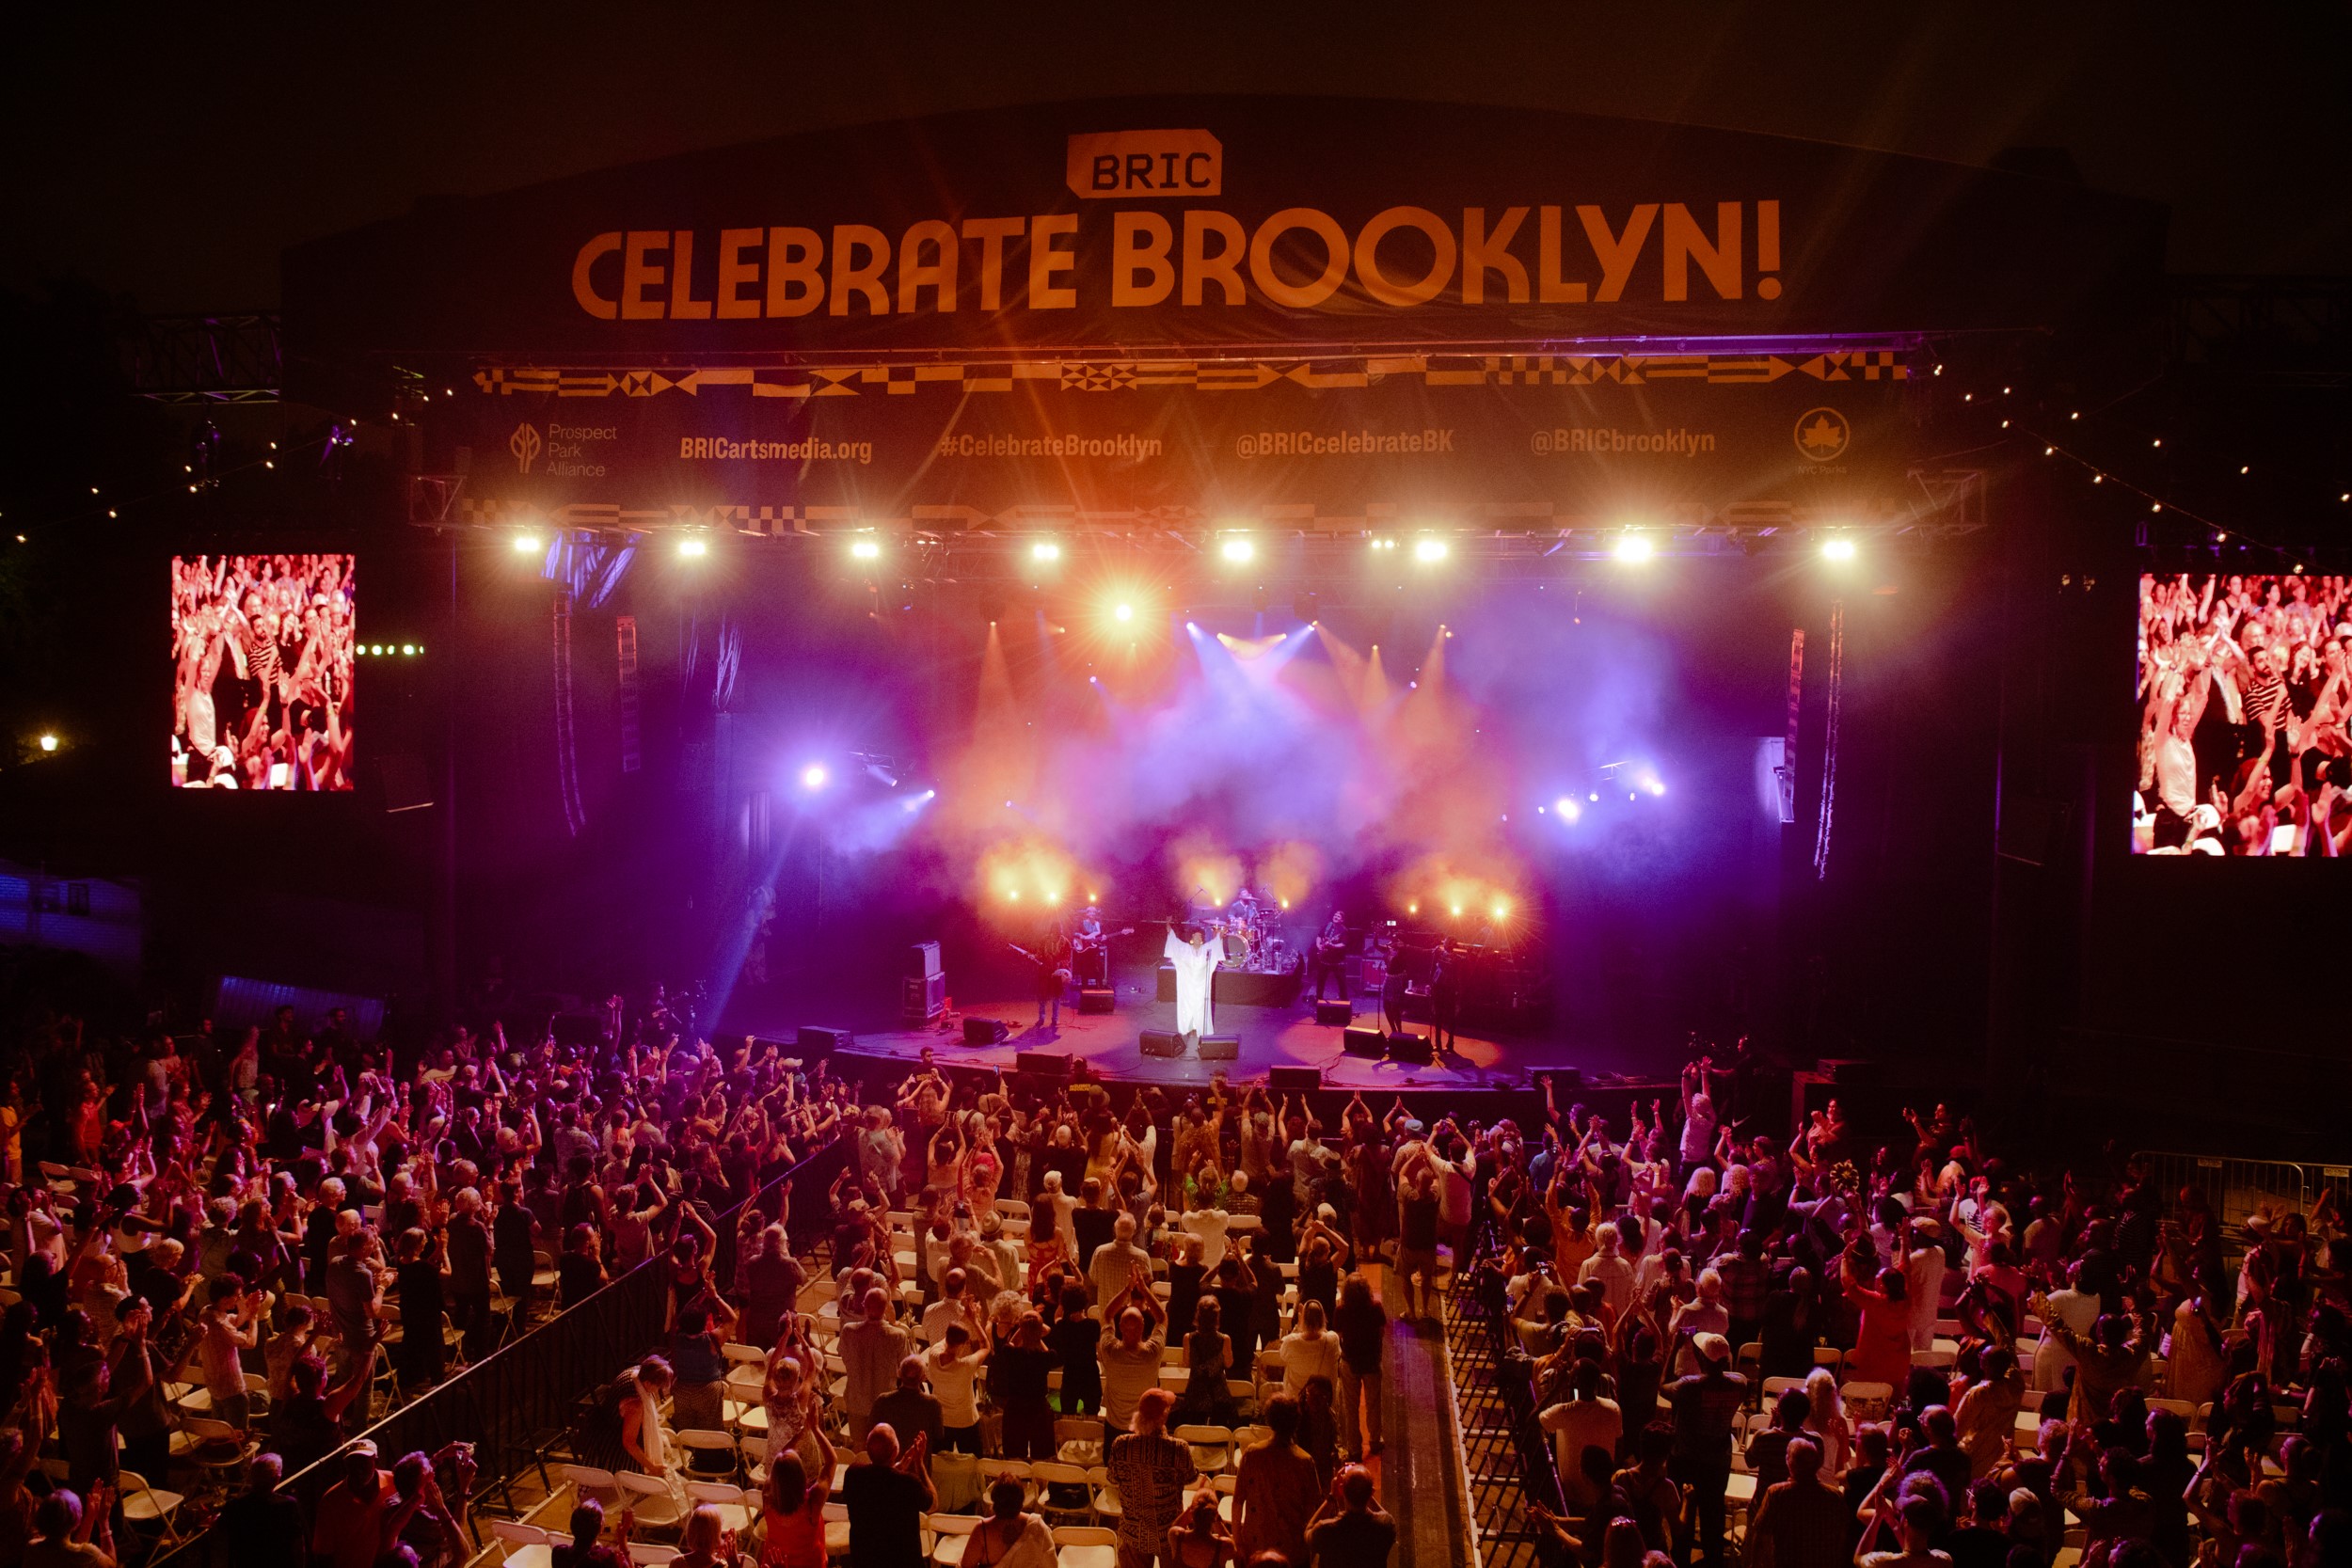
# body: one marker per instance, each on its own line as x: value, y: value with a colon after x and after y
x: 2018, y: 429
x: 342, y: 432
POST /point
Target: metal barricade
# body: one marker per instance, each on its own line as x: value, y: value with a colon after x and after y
x: 2233, y: 1188
x: 1506, y: 1455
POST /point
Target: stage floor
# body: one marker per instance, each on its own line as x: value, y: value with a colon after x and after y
x: 1270, y: 1038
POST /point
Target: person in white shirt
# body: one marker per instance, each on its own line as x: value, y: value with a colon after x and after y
x: 1308, y: 1351
x: 1058, y: 1207
x: 953, y: 1367
x: 1209, y: 1226
x: 1583, y: 1420
x: 2072, y: 1309
x: 1924, y: 1267
x: 1608, y: 1268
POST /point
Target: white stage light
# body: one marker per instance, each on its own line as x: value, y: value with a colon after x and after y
x: 866, y: 549
x: 1045, y: 549
x: 813, y: 777
x: 1429, y: 550
x: 1238, y: 550
x: 1125, y: 613
x: 1633, y: 548
x: 527, y: 544
x: 1837, y: 549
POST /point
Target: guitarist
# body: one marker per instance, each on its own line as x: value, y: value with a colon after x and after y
x: 1330, y: 950
x: 1090, y: 949
x: 1052, y: 962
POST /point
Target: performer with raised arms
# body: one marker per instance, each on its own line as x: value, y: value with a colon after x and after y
x: 1194, y: 961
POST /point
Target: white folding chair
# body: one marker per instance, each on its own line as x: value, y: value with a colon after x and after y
x: 651, y: 1554
x: 737, y: 1509
x: 708, y: 1455
x: 533, y: 1546
x: 1210, y: 1446
x: 651, y: 1500
x: 143, y: 1504
x: 952, y: 1533
x: 1086, y: 1546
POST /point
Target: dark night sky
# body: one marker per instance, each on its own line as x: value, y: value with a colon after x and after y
x: 171, y: 154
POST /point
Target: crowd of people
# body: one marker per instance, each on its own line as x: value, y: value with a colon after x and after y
x: 262, y: 649
x: 1910, y: 1354
x: 228, y: 1252
x: 2244, y: 690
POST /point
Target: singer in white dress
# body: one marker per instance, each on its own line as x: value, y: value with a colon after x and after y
x: 1194, y: 961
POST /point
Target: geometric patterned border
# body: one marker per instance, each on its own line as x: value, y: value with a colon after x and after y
x: 1207, y: 376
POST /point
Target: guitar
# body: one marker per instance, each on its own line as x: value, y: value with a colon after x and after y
x: 1088, y: 944
x: 1044, y: 961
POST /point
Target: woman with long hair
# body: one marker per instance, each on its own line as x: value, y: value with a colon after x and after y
x: 793, y: 1534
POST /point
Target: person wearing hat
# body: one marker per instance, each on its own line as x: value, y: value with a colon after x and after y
x: 1705, y: 1406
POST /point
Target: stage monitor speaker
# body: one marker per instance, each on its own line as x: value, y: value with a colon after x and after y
x: 1340, y: 1012
x: 1220, y: 1048
x: 922, y: 999
x: 985, y: 1031
x: 1044, y: 1063
x: 1292, y: 1080
x: 1159, y: 1043
x: 1407, y: 1047
x: 1095, y: 999
x: 815, y: 1042
x: 1364, y: 1042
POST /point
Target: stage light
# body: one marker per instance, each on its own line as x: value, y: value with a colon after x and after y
x: 866, y: 549
x: 1124, y: 611
x: 48, y: 742
x: 1429, y: 550
x: 1412, y: 908
x: 1837, y: 549
x: 1655, y: 786
x: 813, y: 777
x: 1501, y: 909
x: 1053, y: 898
x: 1595, y: 795
x: 1457, y: 912
x: 1238, y: 550
x: 1566, y: 808
x: 1635, y: 549
x: 1045, y: 549
x: 693, y: 548
x: 408, y: 649
x: 1013, y: 893
x: 527, y: 544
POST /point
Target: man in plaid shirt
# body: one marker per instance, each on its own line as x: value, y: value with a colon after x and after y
x: 1801, y: 1523
x: 1747, y: 1279
x: 1705, y: 1405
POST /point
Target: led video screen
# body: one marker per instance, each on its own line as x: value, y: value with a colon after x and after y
x: 262, y: 650
x: 2243, y: 693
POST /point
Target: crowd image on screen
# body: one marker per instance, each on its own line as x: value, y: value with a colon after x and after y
x: 262, y: 649
x: 2243, y: 694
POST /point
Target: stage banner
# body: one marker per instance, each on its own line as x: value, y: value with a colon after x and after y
x: 1128, y: 224
x: 1346, y: 442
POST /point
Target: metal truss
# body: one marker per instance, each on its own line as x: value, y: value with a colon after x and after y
x: 204, y: 359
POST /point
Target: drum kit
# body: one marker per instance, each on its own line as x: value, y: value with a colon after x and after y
x: 1251, y: 926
